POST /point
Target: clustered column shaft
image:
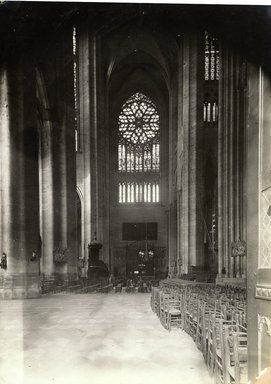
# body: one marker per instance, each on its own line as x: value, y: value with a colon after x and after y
x: 19, y: 180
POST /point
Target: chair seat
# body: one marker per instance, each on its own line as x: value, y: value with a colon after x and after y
x: 174, y: 311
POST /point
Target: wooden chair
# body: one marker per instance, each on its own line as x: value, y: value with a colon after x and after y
x: 191, y: 315
x: 173, y: 312
x: 213, y: 339
x: 164, y: 306
x: 224, y: 356
x: 240, y: 358
x: 220, y: 348
x: 235, y: 367
x: 203, y: 311
x: 206, y: 320
x: 162, y: 297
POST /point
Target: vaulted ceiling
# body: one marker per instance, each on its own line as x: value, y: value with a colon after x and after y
x: 29, y: 25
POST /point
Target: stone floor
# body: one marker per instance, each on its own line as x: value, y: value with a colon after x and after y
x: 93, y: 338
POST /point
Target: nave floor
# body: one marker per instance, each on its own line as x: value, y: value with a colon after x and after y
x: 93, y: 339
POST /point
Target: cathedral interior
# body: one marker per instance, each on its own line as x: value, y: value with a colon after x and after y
x: 135, y: 152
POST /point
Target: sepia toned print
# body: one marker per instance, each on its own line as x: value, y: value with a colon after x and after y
x: 135, y: 193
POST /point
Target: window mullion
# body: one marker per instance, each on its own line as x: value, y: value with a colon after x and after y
x: 151, y: 157
x: 139, y: 150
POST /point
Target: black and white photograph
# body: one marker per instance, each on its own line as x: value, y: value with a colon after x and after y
x: 135, y: 192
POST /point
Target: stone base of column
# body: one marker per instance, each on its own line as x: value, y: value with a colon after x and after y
x: 20, y: 286
x: 57, y: 282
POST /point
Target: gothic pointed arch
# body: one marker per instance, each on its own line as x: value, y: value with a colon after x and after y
x: 138, y: 150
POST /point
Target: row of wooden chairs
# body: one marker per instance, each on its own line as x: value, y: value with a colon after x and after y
x: 230, y: 362
x: 216, y: 320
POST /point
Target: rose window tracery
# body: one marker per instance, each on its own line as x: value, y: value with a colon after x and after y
x: 139, y: 148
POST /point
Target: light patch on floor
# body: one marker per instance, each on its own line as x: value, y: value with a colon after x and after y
x: 94, y: 338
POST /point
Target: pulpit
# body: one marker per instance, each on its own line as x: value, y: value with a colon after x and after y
x: 96, y: 268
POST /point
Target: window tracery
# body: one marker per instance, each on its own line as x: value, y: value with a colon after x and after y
x: 139, y: 149
x: 212, y: 64
x: 211, y: 57
x: 75, y: 88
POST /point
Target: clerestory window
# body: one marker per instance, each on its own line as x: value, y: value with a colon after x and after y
x: 139, y: 151
x: 75, y: 89
x: 212, y: 64
x: 211, y: 57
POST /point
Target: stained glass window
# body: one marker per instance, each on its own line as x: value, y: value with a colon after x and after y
x: 139, y: 149
x: 210, y: 111
x: 212, y: 64
x: 211, y: 57
x: 75, y: 88
x: 134, y: 192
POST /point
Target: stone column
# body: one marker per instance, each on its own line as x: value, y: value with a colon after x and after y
x: 102, y: 192
x: 60, y: 184
x: 88, y: 115
x: 172, y: 151
x: 46, y: 185
x: 63, y: 159
x: 93, y: 133
x: 106, y: 164
x: 243, y: 167
x: 170, y: 242
x: 173, y: 236
x: 19, y: 180
x: 69, y: 157
x: 84, y: 123
x: 220, y: 176
x: 96, y: 129
x: 231, y: 161
x: 193, y: 151
x: 231, y: 127
x: 180, y: 154
x: 4, y: 158
x: 225, y: 116
x: 224, y: 171
x: 59, y: 192
x: 45, y: 178
x: 237, y: 177
x: 241, y: 151
x: 185, y: 172
x: 191, y: 225
x: 58, y: 166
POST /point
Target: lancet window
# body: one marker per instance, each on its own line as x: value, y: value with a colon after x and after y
x: 211, y: 57
x: 212, y: 64
x: 75, y: 88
